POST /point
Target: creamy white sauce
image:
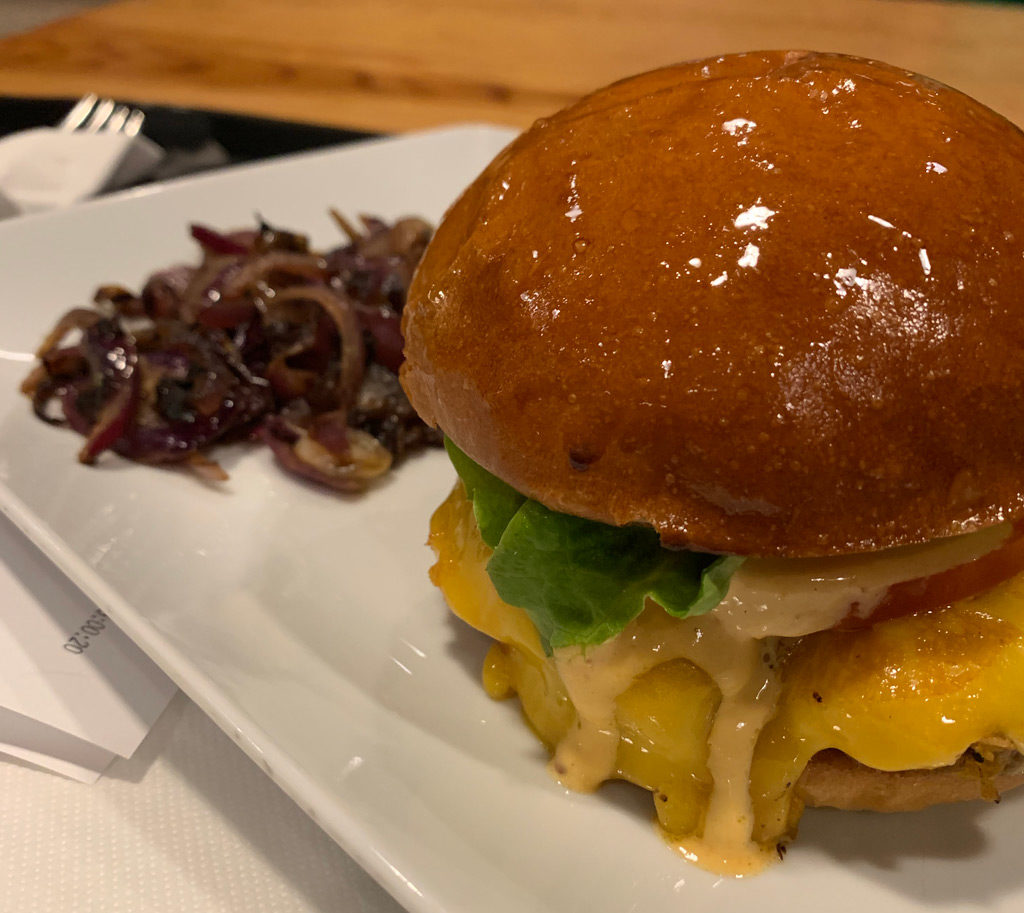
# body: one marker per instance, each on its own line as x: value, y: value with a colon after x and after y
x: 749, y: 692
x: 790, y: 597
x: 743, y: 669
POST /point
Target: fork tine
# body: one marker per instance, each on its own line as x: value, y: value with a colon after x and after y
x: 133, y: 124
x: 78, y: 113
x: 100, y: 114
x: 117, y: 120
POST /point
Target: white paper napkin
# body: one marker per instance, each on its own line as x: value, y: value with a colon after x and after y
x: 74, y: 690
x: 48, y: 168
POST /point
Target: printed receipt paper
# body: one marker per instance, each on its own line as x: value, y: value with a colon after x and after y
x: 74, y: 691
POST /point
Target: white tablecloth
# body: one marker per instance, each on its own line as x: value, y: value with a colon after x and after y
x: 188, y: 824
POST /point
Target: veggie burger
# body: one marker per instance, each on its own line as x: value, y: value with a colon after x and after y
x: 730, y: 361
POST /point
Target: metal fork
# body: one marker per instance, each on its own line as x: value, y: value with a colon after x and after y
x: 92, y: 114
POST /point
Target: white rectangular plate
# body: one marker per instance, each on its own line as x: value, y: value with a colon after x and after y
x: 305, y: 625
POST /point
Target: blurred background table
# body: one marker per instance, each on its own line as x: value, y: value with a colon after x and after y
x: 190, y: 823
x: 395, y: 65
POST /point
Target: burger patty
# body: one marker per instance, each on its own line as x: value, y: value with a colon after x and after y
x: 984, y: 771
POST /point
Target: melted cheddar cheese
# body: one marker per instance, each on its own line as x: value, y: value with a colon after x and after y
x: 668, y: 703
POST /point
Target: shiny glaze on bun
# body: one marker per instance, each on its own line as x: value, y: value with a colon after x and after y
x: 768, y: 303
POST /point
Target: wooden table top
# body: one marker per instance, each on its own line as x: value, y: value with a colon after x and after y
x: 400, y: 64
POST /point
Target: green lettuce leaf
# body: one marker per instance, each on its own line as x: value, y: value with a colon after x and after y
x: 581, y: 582
x: 494, y: 502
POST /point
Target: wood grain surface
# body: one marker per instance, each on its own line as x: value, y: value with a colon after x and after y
x: 401, y: 64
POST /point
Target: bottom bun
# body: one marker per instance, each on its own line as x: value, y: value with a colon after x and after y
x: 984, y: 771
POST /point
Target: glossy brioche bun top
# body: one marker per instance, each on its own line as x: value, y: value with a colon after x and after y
x: 769, y: 303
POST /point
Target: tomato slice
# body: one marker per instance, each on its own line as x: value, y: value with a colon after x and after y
x: 925, y: 594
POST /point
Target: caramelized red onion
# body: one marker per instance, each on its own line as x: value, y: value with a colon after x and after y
x: 263, y: 339
x: 339, y: 308
x: 330, y: 452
